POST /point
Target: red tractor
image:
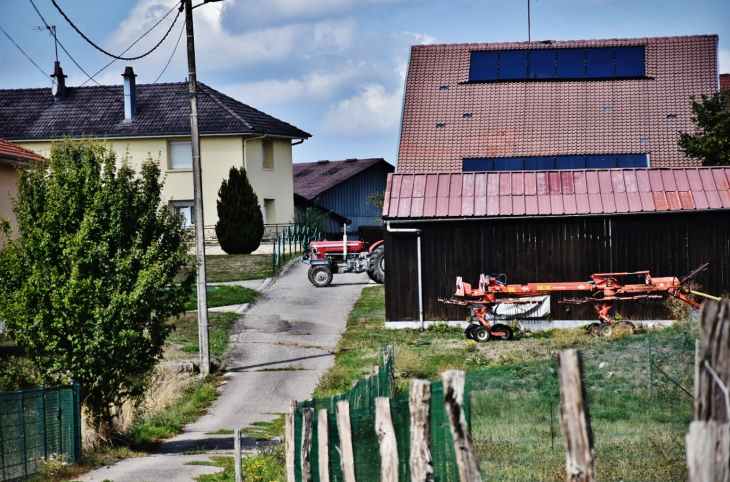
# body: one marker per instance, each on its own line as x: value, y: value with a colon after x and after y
x: 325, y: 258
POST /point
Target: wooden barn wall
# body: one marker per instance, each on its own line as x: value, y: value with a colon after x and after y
x: 554, y: 250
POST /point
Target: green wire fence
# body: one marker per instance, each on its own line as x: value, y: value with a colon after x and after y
x: 290, y: 242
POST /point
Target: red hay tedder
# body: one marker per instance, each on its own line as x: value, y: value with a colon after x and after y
x: 605, y: 288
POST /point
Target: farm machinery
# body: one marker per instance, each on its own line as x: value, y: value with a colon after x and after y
x: 605, y: 289
x: 325, y: 258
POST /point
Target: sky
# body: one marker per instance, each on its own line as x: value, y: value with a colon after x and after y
x: 333, y: 68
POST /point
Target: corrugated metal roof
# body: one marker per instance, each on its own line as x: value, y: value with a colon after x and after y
x: 555, y: 193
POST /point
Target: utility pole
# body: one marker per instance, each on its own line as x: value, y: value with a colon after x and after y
x: 203, y: 342
x: 528, y: 20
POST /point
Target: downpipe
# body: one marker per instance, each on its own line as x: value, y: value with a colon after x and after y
x: 418, y: 250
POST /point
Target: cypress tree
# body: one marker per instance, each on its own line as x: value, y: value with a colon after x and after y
x: 240, y: 223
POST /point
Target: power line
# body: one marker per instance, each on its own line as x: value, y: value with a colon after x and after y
x: 26, y: 55
x: 104, y: 51
x: 172, y: 55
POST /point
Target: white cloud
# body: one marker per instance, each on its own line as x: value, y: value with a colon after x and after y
x: 422, y: 38
x: 372, y: 111
x: 724, y: 61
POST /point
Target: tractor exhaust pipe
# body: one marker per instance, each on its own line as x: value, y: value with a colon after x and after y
x: 420, y: 284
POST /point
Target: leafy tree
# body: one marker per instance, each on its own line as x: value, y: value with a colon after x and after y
x: 86, y: 284
x: 711, y: 139
x: 377, y: 199
x: 313, y: 218
x: 240, y: 225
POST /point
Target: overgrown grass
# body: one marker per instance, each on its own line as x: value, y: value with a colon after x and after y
x: 235, y: 267
x: 266, y: 466
x: 185, y: 336
x: 225, y: 295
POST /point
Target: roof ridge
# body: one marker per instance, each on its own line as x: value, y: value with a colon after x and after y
x: 228, y: 109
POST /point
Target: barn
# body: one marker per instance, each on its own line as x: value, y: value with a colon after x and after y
x: 552, y: 226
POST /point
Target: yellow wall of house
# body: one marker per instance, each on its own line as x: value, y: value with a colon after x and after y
x: 7, y: 193
x: 218, y: 155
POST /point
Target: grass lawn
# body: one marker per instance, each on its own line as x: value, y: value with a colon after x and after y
x: 235, y: 267
x: 185, y: 337
x: 225, y: 295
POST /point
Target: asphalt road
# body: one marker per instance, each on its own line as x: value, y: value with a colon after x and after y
x: 293, y: 326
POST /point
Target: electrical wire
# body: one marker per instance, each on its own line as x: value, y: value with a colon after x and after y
x: 26, y: 55
x: 117, y: 57
x: 172, y: 55
x: 135, y: 42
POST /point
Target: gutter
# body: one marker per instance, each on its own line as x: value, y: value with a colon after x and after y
x: 420, y: 276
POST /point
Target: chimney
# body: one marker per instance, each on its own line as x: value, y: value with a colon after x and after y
x: 59, y: 86
x: 130, y: 93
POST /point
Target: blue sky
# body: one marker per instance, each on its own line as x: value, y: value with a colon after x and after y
x: 334, y: 68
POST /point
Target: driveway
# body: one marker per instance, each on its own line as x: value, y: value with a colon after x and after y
x: 279, y: 349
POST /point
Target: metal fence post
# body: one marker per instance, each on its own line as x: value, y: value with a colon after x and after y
x: 76, y: 419
x: 43, y: 421
x: 21, y: 430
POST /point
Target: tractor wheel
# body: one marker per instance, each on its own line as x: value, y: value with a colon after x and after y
x: 481, y: 334
x: 605, y: 329
x: 592, y: 329
x: 505, y: 329
x: 320, y: 276
x: 376, y: 266
x: 624, y: 327
x: 469, y: 331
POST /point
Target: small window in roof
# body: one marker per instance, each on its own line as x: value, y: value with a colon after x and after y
x: 440, y: 126
x: 444, y: 87
x: 608, y: 109
x: 671, y: 116
x: 512, y: 64
x: 334, y: 170
x: 632, y: 160
x: 304, y: 173
x: 644, y: 140
x: 484, y: 65
x: 467, y: 116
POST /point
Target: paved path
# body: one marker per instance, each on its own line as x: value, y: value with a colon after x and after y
x: 293, y: 325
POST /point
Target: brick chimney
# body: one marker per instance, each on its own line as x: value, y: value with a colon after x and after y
x: 130, y: 93
x: 59, y: 86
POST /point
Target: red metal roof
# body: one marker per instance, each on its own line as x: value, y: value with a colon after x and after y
x: 550, y: 118
x: 14, y: 153
x: 555, y: 193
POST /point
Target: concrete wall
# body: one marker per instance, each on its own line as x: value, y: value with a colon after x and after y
x: 218, y: 155
x: 7, y: 192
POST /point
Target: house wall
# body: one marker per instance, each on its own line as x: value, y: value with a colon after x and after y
x: 7, y: 193
x: 218, y: 155
x: 554, y: 250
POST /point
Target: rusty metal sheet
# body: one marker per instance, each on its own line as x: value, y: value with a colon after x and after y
x: 630, y: 182
x: 569, y: 205
x: 634, y: 200
x: 467, y: 205
x: 685, y: 198
x: 721, y: 180
x: 617, y: 181
x: 642, y: 178
x: 417, y: 207
x: 518, y: 205
x: 582, y: 204
x: 680, y: 179
x: 455, y: 206
x: 393, y: 207
x: 713, y: 199
x: 543, y: 204
x: 518, y: 183
x: 443, y: 186
x: 594, y: 201
x: 608, y: 201
x: 467, y: 184
x: 622, y: 201
x: 604, y: 181
x: 647, y: 201
x: 432, y: 181
x: 406, y: 187
x: 566, y: 182
x: 530, y: 184
x: 480, y: 184
x: 655, y: 178
x: 429, y: 207
x: 724, y: 198
x: 592, y: 184
x: 542, y: 183
x: 579, y: 182
x: 554, y: 182
x: 505, y: 184
x: 673, y: 200
x: 531, y: 205
x: 492, y: 205
x: 556, y: 204
x: 695, y: 183
x: 480, y: 205
x: 700, y: 199
x: 668, y: 180
x: 505, y: 205
x: 419, y: 186
x: 404, y: 207
x: 660, y: 201
x: 442, y: 207
x: 492, y: 184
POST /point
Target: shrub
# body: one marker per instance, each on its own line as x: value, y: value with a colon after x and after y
x: 240, y: 225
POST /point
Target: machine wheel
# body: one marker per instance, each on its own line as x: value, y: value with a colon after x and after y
x: 320, y: 276
x: 504, y: 328
x: 481, y: 334
x: 624, y: 327
x: 605, y: 329
x: 469, y: 332
x: 376, y: 266
x: 592, y: 329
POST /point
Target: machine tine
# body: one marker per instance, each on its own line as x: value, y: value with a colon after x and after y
x: 694, y: 273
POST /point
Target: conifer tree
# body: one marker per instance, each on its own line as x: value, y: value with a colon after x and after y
x: 240, y: 223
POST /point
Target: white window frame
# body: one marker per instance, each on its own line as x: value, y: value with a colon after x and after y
x: 180, y: 148
x: 187, y: 209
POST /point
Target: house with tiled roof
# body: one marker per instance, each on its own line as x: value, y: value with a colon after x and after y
x: 11, y: 156
x: 341, y: 189
x: 553, y: 104
x: 724, y: 82
x: 153, y: 120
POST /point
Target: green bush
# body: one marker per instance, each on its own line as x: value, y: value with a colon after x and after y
x: 240, y: 225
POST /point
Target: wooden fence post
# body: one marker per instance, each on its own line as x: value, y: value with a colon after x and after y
x: 454, y: 382
x: 708, y: 439
x: 342, y: 411
x: 420, y: 405
x: 290, y: 444
x: 575, y: 419
x: 237, y: 455
x: 307, y: 429
x: 386, y: 437
x: 323, y: 445
x: 389, y: 356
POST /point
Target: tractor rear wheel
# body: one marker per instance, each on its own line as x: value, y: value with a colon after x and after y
x: 481, y: 334
x: 320, y: 276
x: 469, y: 331
x: 376, y: 265
x: 605, y: 329
x: 506, y: 329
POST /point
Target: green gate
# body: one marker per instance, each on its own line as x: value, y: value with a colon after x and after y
x: 38, y: 423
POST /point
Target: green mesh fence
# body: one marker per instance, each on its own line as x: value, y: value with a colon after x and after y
x: 640, y: 406
x: 35, y: 424
x: 292, y: 240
